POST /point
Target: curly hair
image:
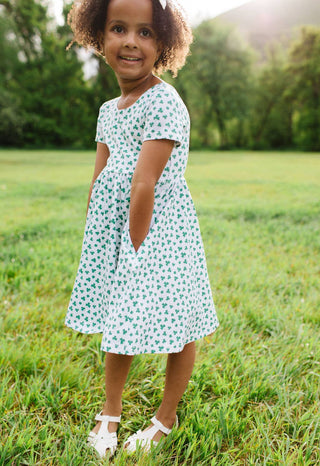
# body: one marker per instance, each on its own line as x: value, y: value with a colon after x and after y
x: 87, y: 20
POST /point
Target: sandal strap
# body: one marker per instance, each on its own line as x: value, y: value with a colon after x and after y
x: 144, y: 438
x: 160, y: 426
x: 92, y: 436
x: 106, y: 418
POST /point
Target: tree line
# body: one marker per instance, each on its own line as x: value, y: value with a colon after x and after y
x: 235, y: 101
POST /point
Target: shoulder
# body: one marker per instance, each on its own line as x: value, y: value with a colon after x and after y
x: 166, y: 93
x: 106, y: 106
x: 165, y: 98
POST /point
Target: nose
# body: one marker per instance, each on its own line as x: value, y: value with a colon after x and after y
x: 130, y: 40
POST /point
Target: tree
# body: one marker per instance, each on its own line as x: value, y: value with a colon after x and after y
x: 271, y: 124
x: 103, y: 85
x: 29, y: 23
x: 10, y: 122
x: 216, y: 80
x: 44, y: 97
x: 47, y: 94
x: 304, y: 68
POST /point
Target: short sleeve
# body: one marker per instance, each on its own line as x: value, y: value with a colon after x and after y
x: 166, y: 118
x: 99, y: 131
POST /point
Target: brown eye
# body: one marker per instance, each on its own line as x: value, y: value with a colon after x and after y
x: 146, y: 33
x: 117, y: 29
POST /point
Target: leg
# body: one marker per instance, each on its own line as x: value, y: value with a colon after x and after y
x: 116, y: 370
x: 178, y: 372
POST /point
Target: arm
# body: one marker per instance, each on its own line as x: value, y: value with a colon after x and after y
x: 152, y: 160
x: 101, y: 161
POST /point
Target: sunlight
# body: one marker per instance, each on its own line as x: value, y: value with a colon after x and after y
x: 197, y: 10
x: 205, y: 9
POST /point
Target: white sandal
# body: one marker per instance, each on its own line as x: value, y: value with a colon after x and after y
x: 144, y: 439
x: 104, y: 439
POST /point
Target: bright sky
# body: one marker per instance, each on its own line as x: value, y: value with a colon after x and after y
x: 204, y: 9
x: 196, y: 9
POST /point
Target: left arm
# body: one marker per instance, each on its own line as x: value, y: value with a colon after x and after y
x: 152, y: 159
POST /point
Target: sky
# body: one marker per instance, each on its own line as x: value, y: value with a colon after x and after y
x: 197, y: 9
x: 204, y: 9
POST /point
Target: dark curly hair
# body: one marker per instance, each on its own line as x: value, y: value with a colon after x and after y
x: 87, y: 20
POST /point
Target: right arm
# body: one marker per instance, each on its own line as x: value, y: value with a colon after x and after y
x: 101, y: 161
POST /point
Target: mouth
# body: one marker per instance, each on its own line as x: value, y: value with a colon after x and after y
x: 130, y: 59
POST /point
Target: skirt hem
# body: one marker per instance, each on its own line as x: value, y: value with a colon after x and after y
x: 111, y: 349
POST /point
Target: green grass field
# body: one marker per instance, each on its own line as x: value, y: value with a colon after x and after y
x: 253, y: 398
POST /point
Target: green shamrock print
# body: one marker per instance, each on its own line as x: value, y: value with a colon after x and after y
x: 159, y: 298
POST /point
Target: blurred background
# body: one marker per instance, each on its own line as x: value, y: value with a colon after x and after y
x: 252, y: 80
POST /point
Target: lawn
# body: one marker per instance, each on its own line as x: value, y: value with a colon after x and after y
x: 253, y: 398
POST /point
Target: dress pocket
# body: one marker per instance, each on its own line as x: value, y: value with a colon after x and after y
x: 142, y: 245
x: 158, y: 230
x: 158, y: 223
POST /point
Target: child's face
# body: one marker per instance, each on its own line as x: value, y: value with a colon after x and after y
x: 130, y: 45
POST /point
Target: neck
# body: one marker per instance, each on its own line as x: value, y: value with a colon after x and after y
x: 139, y: 86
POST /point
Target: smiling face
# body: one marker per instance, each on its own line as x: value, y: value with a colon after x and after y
x: 130, y: 45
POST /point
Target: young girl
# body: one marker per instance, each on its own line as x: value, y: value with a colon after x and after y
x: 142, y: 280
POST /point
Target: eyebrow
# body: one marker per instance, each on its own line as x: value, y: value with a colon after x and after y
x: 123, y: 22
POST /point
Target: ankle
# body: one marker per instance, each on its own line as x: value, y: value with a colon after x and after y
x: 168, y: 420
x: 111, y: 409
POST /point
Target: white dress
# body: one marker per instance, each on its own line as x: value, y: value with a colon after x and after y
x: 157, y: 299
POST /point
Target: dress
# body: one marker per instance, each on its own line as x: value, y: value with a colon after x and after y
x: 157, y: 299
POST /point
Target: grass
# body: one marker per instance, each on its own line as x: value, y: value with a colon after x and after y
x: 253, y: 398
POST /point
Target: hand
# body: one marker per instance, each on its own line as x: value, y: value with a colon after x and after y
x: 136, y: 244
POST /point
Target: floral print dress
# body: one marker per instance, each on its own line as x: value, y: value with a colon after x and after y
x: 157, y: 299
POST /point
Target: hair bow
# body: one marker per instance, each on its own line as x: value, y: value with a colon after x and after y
x: 163, y: 3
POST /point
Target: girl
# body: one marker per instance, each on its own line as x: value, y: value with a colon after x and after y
x: 142, y: 280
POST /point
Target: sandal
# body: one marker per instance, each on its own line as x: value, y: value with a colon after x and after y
x: 104, y: 440
x: 144, y: 439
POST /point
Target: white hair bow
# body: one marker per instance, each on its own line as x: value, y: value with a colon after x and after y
x: 163, y: 3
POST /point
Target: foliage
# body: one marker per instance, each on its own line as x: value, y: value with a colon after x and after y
x: 10, y: 123
x: 263, y: 21
x: 216, y: 81
x: 234, y: 99
x: 46, y: 100
x: 272, y: 112
x: 253, y: 397
x: 304, y: 67
x: 232, y: 103
x: 29, y: 24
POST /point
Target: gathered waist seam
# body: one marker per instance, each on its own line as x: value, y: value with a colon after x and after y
x: 129, y: 175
